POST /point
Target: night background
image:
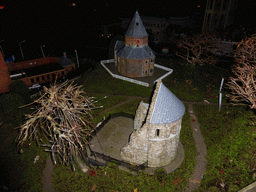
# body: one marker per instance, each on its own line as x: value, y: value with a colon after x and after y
x: 63, y: 26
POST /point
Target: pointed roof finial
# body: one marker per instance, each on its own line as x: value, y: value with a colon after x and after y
x: 136, y: 28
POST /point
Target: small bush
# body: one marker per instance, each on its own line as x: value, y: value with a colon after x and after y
x: 10, y: 104
x: 20, y: 87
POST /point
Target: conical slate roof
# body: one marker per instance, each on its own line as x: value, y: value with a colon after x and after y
x: 136, y: 28
x: 119, y: 45
x: 168, y: 108
x: 144, y: 52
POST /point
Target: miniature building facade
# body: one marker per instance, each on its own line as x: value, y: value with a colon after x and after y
x: 157, y: 129
x: 5, y: 79
x: 40, y: 71
x: 218, y: 14
x: 134, y: 58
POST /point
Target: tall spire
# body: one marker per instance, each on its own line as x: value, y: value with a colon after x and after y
x: 136, y: 28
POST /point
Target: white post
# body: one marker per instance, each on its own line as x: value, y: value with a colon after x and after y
x: 42, y: 50
x: 221, y: 84
x: 220, y: 99
x: 77, y: 59
x: 220, y: 94
x: 21, y: 49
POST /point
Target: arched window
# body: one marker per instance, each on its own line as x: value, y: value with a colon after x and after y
x: 157, y: 133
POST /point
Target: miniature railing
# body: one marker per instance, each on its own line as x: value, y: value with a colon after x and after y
x: 116, y: 161
x: 133, y: 80
x: 104, y: 122
x: 109, y: 159
x: 121, y: 77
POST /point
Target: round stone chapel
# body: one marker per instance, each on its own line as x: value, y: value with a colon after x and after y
x: 156, y: 130
x: 134, y: 58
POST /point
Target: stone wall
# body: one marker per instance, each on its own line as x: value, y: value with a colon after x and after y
x: 136, y: 150
x: 140, y: 115
x: 136, y: 41
x: 163, y: 143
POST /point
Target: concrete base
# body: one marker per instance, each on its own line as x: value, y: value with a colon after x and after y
x: 115, y: 134
x: 160, y: 72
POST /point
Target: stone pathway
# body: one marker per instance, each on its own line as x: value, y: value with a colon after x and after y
x: 47, y: 176
x: 199, y: 171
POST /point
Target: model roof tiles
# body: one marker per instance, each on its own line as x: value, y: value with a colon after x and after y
x: 64, y: 61
x: 168, y: 108
x: 136, y: 28
x: 119, y: 45
x: 144, y: 52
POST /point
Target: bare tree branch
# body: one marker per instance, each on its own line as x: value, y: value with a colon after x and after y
x: 195, y: 49
x: 64, y: 116
x: 243, y: 84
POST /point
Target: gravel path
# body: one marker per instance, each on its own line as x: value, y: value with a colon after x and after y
x: 47, y: 176
x: 199, y: 171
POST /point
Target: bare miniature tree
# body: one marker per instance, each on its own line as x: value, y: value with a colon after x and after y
x: 243, y: 84
x: 246, y: 50
x: 63, y: 115
x: 195, y: 49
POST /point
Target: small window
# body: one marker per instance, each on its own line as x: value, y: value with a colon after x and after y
x: 42, y: 78
x: 146, y: 61
x: 32, y: 80
x: 48, y: 76
x: 157, y: 132
x: 146, y: 72
x: 151, y: 70
x: 37, y: 79
x: 137, y: 24
x: 62, y: 72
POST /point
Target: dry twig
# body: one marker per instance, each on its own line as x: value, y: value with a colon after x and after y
x: 243, y: 83
x: 195, y: 49
x: 64, y: 116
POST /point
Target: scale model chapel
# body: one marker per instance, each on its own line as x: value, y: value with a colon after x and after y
x: 134, y: 58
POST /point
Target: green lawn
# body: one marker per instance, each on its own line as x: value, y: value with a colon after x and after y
x: 21, y: 174
x: 230, y: 142
x: 112, y: 179
x: 100, y: 81
x: 194, y: 83
x: 18, y: 172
